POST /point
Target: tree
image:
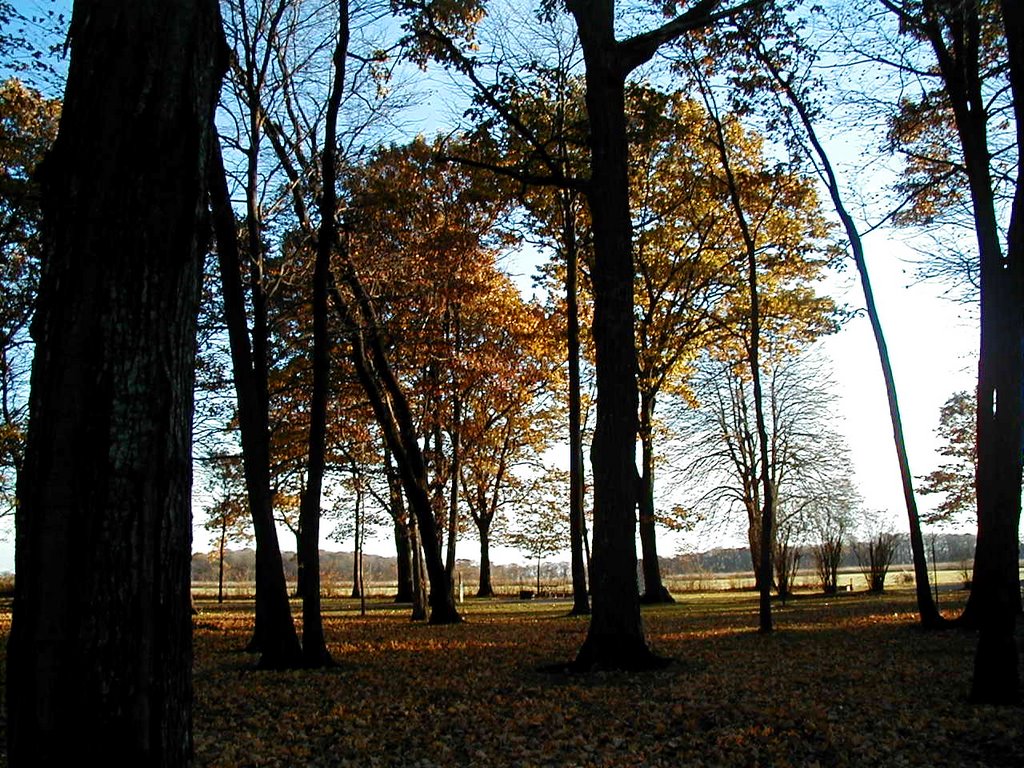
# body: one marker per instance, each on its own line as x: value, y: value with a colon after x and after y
x: 875, y: 556
x: 616, y: 636
x: 103, y: 524
x: 689, y: 295
x: 806, y: 465
x: 420, y: 254
x: 314, y: 646
x: 792, y: 98
x: 509, y: 408
x: 274, y: 637
x: 955, y: 478
x: 28, y: 125
x: 830, y: 523
x: 227, y: 515
x: 959, y: 36
x: 540, y: 529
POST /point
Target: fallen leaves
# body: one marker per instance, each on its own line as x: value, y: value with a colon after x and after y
x: 845, y: 683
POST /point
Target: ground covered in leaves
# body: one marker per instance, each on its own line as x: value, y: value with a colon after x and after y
x: 846, y: 681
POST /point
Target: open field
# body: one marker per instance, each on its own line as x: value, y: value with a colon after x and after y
x: 846, y: 681
x: 949, y: 576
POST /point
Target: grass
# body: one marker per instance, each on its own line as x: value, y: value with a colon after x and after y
x: 845, y: 681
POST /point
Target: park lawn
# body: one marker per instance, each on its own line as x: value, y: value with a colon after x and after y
x: 846, y: 681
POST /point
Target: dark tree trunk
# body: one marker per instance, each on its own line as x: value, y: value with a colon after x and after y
x: 485, y: 588
x: 955, y: 35
x: 275, y: 638
x: 99, y: 659
x: 580, y: 597
x: 995, y: 586
x: 220, y: 559
x: 357, y: 550
x: 654, y: 589
x: 616, y: 635
x: 391, y: 409
x: 314, y: 646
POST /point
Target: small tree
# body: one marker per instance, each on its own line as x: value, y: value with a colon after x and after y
x: 541, y: 529
x: 227, y: 513
x: 828, y: 554
x: 954, y: 479
x: 786, y: 560
x: 875, y: 556
x: 829, y: 519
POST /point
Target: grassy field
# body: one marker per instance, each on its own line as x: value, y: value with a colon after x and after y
x: 846, y: 681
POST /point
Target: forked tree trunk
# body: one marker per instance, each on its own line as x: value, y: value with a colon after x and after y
x: 274, y: 635
x: 99, y: 659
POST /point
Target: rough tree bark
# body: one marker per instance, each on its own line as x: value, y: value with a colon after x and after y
x: 616, y: 635
x: 100, y: 650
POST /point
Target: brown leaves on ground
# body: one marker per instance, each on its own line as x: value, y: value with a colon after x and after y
x: 843, y: 682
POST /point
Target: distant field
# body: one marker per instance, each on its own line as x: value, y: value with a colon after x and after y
x: 950, y: 577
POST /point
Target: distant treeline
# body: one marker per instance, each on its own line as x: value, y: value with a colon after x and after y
x: 240, y: 565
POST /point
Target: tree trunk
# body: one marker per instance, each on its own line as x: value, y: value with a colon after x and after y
x: 580, y: 597
x: 357, y: 549
x: 220, y: 560
x: 403, y: 552
x: 100, y: 650
x: 314, y: 646
x: 616, y: 635
x: 926, y: 607
x: 391, y: 408
x: 419, y: 602
x: 1000, y: 387
x: 955, y: 36
x: 274, y: 638
x: 753, y: 349
x: 654, y: 589
x: 403, y: 533
x: 485, y: 588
